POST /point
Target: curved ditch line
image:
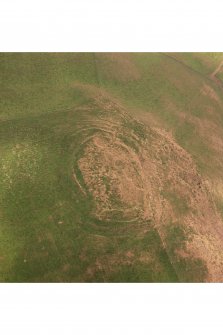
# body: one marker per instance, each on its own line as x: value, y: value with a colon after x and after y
x: 90, y: 127
x: 93, y: 128
x: 109, y: 131
x: 77, y: 182
x: 132, y: 223
x: 187, y: 66
x: 212, y: 77
x: 98, y: 123
x: 93, y: 121
x: 124, y: 227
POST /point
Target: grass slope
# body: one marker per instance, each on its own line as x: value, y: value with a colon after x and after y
x: 47, y: 105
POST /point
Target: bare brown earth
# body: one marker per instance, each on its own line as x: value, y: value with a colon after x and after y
x: 133, y: 173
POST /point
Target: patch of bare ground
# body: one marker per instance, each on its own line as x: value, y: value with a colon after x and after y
x: 111, y: 172
x: 130, y: 169
x: 129, y: 254
x: 201, y: 217
x: 217, y: 187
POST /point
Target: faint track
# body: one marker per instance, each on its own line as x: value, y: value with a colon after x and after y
x: 212, y: 77
x: 215, y: 72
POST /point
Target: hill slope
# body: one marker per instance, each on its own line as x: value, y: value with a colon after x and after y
x: 111, y: 167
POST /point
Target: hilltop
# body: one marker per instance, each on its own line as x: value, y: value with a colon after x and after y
x: 111, y: 167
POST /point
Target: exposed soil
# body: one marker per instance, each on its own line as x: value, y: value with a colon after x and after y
x: 130, y: 169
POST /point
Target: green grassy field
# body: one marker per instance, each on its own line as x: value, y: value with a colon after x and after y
x: 90, y: 190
